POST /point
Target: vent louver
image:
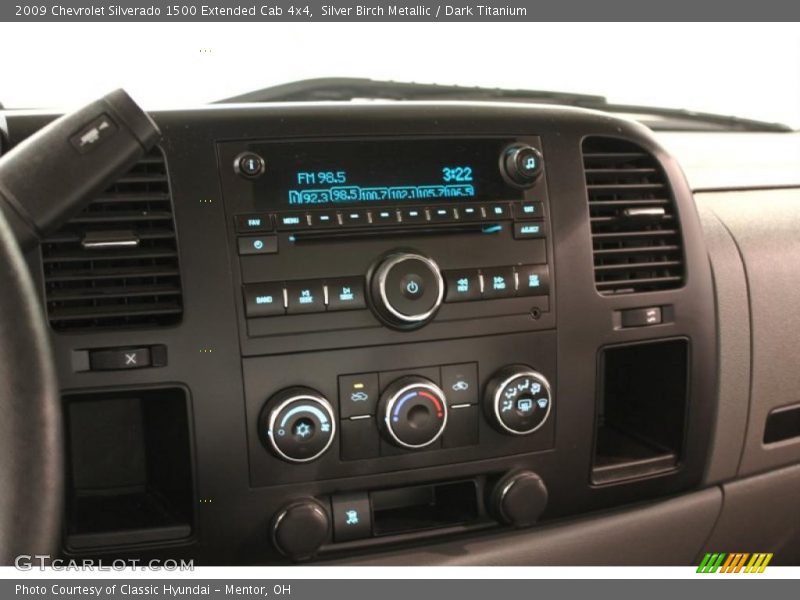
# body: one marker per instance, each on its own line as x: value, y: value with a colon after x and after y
x: 115, y: 264
x: 636, y: 235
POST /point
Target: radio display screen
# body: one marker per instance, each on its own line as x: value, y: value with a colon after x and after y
x: 325, y: 174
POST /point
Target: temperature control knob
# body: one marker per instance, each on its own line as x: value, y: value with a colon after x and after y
x: 518, y: 400
x: 406, y: 289
x: 412, y: 412
x: 297, y: 424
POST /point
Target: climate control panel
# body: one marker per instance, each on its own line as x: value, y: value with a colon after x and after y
x: 387, y: 419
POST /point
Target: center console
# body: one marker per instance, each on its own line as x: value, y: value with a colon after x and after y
x: 398, y: 312
x: 375, y: 325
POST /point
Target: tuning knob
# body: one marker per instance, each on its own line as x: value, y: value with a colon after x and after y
x: 297, y: 424
x: 412, y: 412
x: 518, y: 400
x: 406, y: 289
x: 300, y: 528
x: 518, y: 499
x: 521, y: 164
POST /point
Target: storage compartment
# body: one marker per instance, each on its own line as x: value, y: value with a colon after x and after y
x: 130, y: 469
x: 424, y: 507
x: 782, y: 424
x: 642, y: 409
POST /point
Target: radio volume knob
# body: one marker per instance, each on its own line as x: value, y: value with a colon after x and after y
x: 406, y: 289
x: 412, y: 412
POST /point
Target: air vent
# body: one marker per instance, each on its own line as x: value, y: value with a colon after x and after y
x: 115, y: 264
x: 636, y: 235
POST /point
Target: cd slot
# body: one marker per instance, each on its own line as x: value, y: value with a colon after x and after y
x: 384, y: 232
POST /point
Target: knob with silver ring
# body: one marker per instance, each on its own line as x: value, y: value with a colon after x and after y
x: 518, y: 400
x: 297, y: 424
x: 406, y: 289
x: 412, y: 412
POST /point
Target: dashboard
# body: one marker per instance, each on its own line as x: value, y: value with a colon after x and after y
x: 424, y: 332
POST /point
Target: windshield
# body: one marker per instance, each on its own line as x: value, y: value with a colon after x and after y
x: 749, y: 71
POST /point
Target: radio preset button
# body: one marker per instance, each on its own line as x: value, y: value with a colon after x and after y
x: 498, y: 282
x: 324, y: 219
x: 384, y: 216
x: 413, y: 215
x: 529, y: 230
x: 346, y: 293
x: 443, y: 214
x: 471, y: 213
x: 305, y: 296
x: 355, y: 218
x: 533, y: 280
x: 463, y: 285
x: 263, y: 299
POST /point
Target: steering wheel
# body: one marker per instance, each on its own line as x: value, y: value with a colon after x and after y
x: 31, y: 446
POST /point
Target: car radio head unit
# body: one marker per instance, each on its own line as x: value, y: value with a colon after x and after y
x: 322, y: 174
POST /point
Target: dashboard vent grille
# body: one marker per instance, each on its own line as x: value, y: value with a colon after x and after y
x: 115, y: 264
x: 636, y: 235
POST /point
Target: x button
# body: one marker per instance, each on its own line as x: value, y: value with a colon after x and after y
x: 113, y: 359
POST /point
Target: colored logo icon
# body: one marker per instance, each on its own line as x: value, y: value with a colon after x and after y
x: 351, y: 517
x: 525, y: 405
x: 258, y: 244
x: 412, y: 287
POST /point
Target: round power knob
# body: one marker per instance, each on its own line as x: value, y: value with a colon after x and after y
x: 521, y: 164
x: 518, y: 400
x: 300, y: 528
x: 406, y: 289
x: 297, y: 424
x: 412, y: 412
x: 519, y: 499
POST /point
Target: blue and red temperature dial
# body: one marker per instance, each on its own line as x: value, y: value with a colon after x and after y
x: 413, y: 412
